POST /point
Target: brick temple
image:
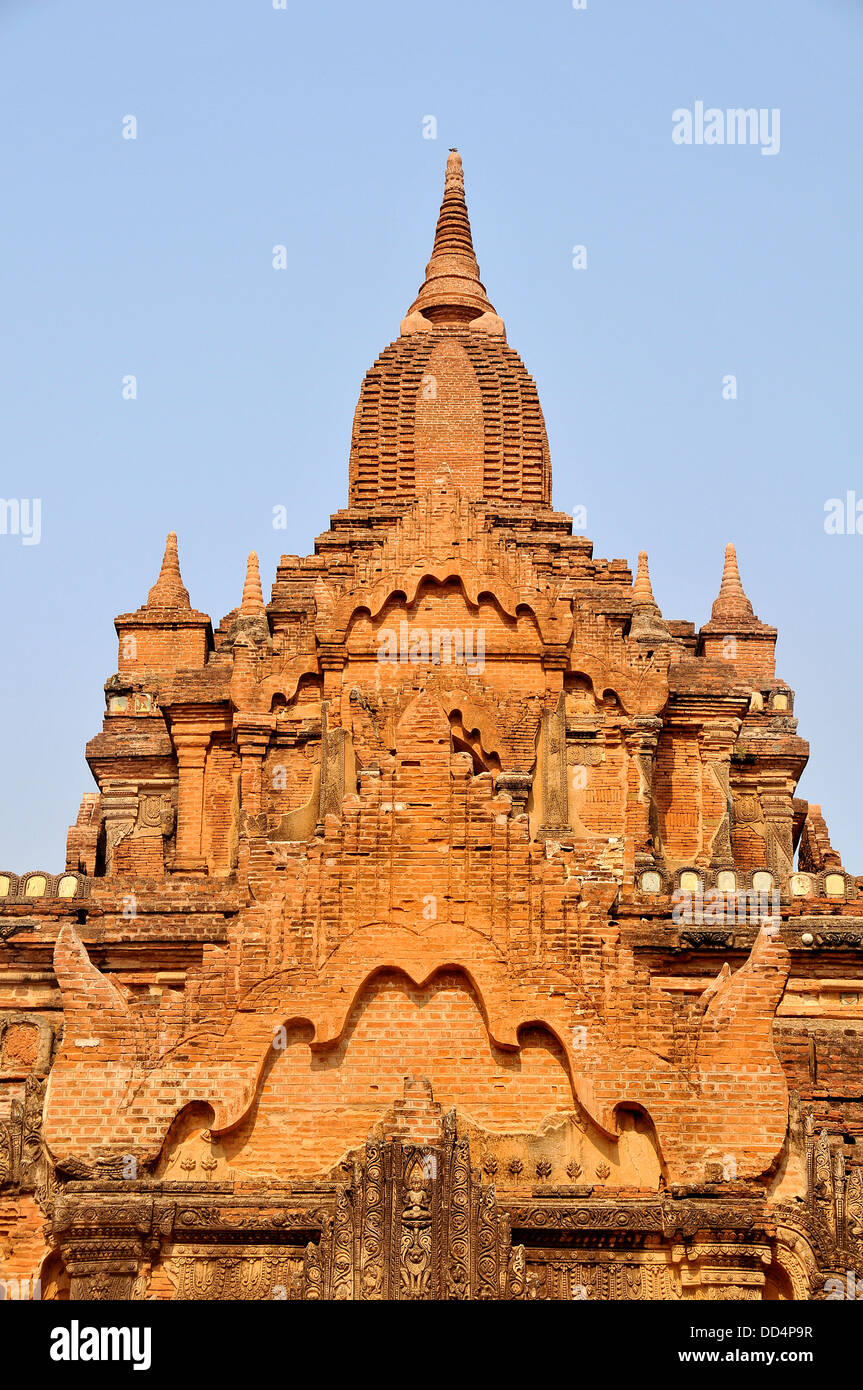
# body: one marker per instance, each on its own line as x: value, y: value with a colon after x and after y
x: 447, y: 927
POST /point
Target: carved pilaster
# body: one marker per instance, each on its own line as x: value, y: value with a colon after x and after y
x: 854, y: 1211
x: 332, y: 767
x: 643, y: 846
x: 716, y: 743
x: 839, y: 1182
x: 342, y: 1259
x: 253, y: 737
x: 371, y: 1237
x: 555, y: 794
x: 313, y: 1273
x: 778, y: 807
x: 516, y: 1274
x: 119, y: 813
x: 191, y: 745
x: 457, y: 1281
x: 102, y: 1246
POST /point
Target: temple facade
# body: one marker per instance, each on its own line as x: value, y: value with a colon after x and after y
x: 447, y: 927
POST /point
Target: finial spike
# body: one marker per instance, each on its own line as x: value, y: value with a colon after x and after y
x: 642, y: 592
x: 169, y: 590
x: 731, y: 601
x: 452, y: 291
x: 253, y: 597
x: 648, y: 624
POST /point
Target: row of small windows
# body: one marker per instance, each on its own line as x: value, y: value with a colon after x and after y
x: 39, y: 885
x: 799, y: 885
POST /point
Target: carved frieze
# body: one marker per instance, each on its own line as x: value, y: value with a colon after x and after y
x: 251, y: 1273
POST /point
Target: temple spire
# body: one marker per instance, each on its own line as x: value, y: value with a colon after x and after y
x: 452, y: 233
x: 452, y: 291
x: 642, y: 592
x: 731, y: 602
x: 253, y: 598
x: 169, y: 590
x: 648, y: 624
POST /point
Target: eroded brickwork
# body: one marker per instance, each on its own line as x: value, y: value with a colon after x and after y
x: 452, y: 898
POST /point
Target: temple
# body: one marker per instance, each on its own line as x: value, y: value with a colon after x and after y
x: 448, y: 926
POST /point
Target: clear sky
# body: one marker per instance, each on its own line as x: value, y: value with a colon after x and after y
x: 304, y: 127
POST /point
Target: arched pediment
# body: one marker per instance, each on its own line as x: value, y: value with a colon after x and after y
x: 552, y: 617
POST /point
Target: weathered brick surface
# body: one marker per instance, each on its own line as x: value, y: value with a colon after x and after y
x: 406, y: 840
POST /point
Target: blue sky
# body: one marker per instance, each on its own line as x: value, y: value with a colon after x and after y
x: 304, y: 127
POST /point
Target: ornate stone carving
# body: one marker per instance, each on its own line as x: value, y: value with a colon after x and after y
x: 252, y: 1273
x: 600, y: 1276
x: 582, y: 752
x: 341, y: 1281
x: 567, y: 1216
x: 746, y: 809
x: 415, y: 1245
x: 854, y: 1207
x: 370, y: 1180
x: 21, y: 1137
x: 838, y: 940
x: 156, y: 813
x: 120, y: 813
x: 422, y: 1223
x: 709, y: 940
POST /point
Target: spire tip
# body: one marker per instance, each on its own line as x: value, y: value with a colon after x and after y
x: 731, y: 602
x: 253, y: 597
x: 452, y: 291
x: 642, y: 589
x: 169, y: 591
